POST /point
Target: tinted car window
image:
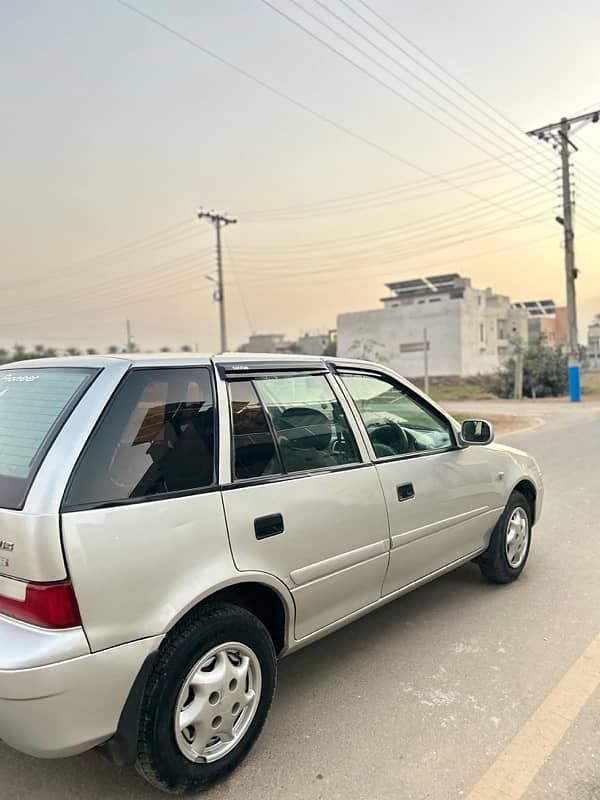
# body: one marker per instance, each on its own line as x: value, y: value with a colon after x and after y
x: 33, y: 405
x: 311, y: 428
x: 254, y: 451
x: 396, y: 422
x: 156, y: 437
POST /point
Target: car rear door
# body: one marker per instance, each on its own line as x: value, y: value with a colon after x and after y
x: 442, y: 499
x: 303, y: 501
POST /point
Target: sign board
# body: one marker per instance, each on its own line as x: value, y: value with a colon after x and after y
x: 414, y: 347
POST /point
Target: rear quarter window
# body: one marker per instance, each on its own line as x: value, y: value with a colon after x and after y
x: 155, y: 439
x: 34, y: 404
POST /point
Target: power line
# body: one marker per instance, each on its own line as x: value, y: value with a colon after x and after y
x: 410, y: 72
x: 126, y: 250
x: 239, y: 287
x: 388, y: 196
x: 428, y: 222
x: 359, y: 267
x: 435, y: 245
x: 290, y: 99
x: 373, y: 76
x: 437, y: 64
x: 155, y: 279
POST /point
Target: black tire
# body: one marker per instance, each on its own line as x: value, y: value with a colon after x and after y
x: 159, y: 759
x: 494, y: 563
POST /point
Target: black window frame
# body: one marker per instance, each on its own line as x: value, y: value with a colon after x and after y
x: 233, y: 375
x: 55, y: 428
x: 340, y: 371
x: 129, y: 501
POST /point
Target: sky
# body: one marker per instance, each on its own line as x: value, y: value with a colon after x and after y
x: 401, y: 153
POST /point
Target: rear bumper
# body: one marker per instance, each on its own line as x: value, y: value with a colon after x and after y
x: 67, y: 707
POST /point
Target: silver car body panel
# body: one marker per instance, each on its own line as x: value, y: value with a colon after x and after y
x: 24, y: 646
x: 69, y: 706
x: 349, y: 546
x: 137, y: 569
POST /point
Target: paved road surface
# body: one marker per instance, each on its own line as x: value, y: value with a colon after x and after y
x: 418, y: 700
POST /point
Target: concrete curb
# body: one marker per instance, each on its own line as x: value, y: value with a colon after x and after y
x: 538, y: 423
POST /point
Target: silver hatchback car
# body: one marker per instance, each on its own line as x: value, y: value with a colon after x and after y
x: 171, y: 526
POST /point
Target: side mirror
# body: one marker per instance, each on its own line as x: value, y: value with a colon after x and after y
x: 476, y: 431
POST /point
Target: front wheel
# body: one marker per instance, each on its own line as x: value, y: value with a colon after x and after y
x: 507, y: 553
x: 206, y: 700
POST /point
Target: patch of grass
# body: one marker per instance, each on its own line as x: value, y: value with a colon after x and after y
x: 590, y: 383
x: 449, y: 389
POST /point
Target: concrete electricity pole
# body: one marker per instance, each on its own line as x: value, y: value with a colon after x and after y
x: 129, y: 342
x: 549, y: 133
x: 219, y: 221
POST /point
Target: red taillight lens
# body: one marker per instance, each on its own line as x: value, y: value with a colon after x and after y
x: 50, y: 605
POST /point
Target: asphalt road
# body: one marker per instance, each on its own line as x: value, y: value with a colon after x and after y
x: 419, y: 699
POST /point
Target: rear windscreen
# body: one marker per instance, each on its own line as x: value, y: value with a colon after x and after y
x: 34, y: 403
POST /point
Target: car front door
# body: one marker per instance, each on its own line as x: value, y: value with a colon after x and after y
x: 304, y: 502
x: 442, y: 499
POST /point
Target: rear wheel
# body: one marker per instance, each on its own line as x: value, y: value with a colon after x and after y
x: 206, y: 700
x: 507, y: 554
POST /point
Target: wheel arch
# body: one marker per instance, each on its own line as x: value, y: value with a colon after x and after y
x: 529, y: 490
x: 262, y: 595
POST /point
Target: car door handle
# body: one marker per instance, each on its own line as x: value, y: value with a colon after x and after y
x: 271, y: 525
x: 405, y: 492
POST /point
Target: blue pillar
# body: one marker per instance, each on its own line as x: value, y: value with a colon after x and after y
x: 574, y: 384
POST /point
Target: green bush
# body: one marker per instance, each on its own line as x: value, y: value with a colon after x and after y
x: 544, y: 373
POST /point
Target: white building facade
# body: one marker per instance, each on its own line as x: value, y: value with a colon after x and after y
x: 593, y: 335
x: 468, y: 331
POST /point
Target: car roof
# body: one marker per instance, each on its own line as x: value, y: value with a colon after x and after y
x: 174, y: 359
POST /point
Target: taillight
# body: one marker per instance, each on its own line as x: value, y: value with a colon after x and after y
x: 50, y: 605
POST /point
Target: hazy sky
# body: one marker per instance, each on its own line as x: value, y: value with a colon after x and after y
x: 114, y: 131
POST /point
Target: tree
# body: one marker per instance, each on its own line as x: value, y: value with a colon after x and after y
x: 185, y: 348
x: 72, y: 351
x: 544, y: 373
x: 165, y: 349
x: 113, y: 349
x: 331, y: 350
x: 91, y: 351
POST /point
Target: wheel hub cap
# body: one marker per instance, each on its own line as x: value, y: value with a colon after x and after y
x: 217, y: 702
x: 517, y: 537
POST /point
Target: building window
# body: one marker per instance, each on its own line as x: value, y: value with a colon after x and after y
x: 481, y: 332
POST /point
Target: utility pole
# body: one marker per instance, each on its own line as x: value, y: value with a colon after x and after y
x: 129, y: 342
x: 559, y: 133
x: 219, y: 221
x: 518, y: 391
x: 425, y: 362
